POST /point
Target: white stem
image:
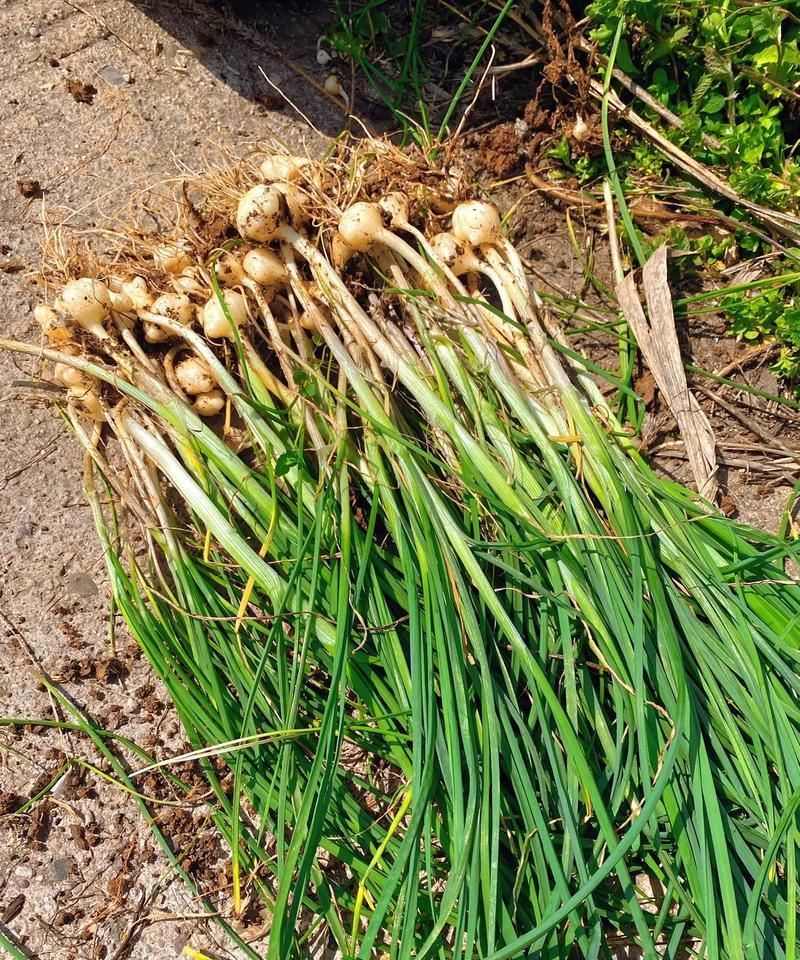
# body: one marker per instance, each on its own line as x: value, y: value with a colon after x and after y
x: 143, y: 476
x: 506, y: 302
x: 272, y: 327
x: 421, y: 265
x: 490, y: 322
x: 282, y: 352
x: 339, y: 296
x: 193, y: 494
x: 552, y: 363
x: 390, y: 265
x: 112, y: 477
x: 265, y: 375
x: 133, y: 345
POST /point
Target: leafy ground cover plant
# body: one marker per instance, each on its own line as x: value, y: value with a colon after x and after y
x: 730, y: 75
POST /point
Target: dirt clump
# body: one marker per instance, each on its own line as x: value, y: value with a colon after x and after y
x: 79, y: 91
x: 29, y: 188
x: 9, y: 802
x: 501, y: 150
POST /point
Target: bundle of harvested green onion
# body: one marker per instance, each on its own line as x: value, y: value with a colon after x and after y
x: 487, y: 685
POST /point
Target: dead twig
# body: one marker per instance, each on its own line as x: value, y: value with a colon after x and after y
x: 784, y: 469
x: 474, y: 100
x: 506, y: 68
x: 648, y: 210
x: 645, y: 96
x: 760, y: 351
x: 752, y: 425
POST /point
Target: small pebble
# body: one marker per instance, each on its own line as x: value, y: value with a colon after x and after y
x: 34, y: 32
x: 113, y: 76
x: 59, y: 869
x: 521, y: 128
x: 23, y: 534
x: 115, y: 928
x: 80, y: 584
x: 29, y: 187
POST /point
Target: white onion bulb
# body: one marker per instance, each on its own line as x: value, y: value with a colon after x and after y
x: 259, y: 213
x: 121, y: 303
x: 360, y: 225
x: 341, y: 252
x: 395, y: 204
x: 86, y: 302
x: 333, y: 85
x: 89, y: 401
x: 194, y: 376
x: 155, y: 333
x: 172, y: 258
x: 295, y: 203
x: 452, y: 252
x: 51, y: 325
x: 265, y: 267
x: 44, y: 315
x: 282, y: 166
x: 476, y: 222
x: 137, y: 291
x: 209, y: 404
x: 189, y: 283
x: 308, y: 322
x: 176, y: 307
x: 69, y: 376
x: 215, y: 323
x: 229, y: 270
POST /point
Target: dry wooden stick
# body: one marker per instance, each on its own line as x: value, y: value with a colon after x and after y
x: 755, y: 353
x: 748, y: 422
x: 638, y: 210
x: 781, y: 469
x: 645, y: 96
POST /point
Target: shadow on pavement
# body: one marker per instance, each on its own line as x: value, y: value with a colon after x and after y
x: 238, y: 39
